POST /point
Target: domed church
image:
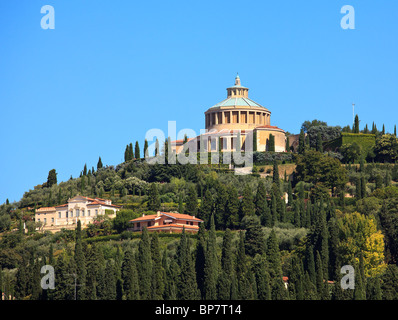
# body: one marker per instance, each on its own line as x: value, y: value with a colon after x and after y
x: 237, y: 113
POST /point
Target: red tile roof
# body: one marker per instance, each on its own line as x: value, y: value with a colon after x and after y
x: 145, y: 218
x: 173, y: 225
x: 45, y: 209
x: 173, y: 215
x: 181, y: 216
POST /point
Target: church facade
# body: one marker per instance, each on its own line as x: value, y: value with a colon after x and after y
x: 230, y: 122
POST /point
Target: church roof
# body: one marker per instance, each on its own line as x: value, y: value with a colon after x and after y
x: 237, y: 102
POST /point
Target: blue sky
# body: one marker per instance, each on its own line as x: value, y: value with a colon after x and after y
x: 111, y: 70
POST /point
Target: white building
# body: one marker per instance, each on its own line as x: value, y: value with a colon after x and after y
x: 78, y: 208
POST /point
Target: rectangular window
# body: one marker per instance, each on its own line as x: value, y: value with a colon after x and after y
x: 71, y: 214
x: 138, y: 224
x: 59, y: 215
x: 52, y: 220
x: 82, y: 213
x: 88, y: 212
x: 77, y: 213
x: 96, y: 212
x: 45, y: 220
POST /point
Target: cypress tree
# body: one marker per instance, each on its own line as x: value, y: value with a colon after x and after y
x: 356, y: 124
x: 146, y: 154
x: 144, y: 265
x: 130, y: 276
x: 223, y: 286
x: 260, y: 199
x: 21, y: 281
x: 109, y: 292
x: 99, y: 164
x: 206, y: 208
x: 232, y: 208
x: 310, y: 263
x: 80, y: 264
x: 262, y: 277
x: 290, y: 194
x: 271, y: 143
x: 274, y: 212
x: 191, y: 206
x: 157, y: 285
x: 157, y: 151
x: 242, y: 283
x: 181, y: 203
x: 287, y: 145
x: 137, y: 153
x: 247, y: 208
x: 363, y: 187
x: 220, y: 206
x: 170, y: 276
x: 273, y: 256
x: 187, y: 288
x: 275, y: 174
x: 126, y: 153
x: 200, y: 259
x: 255, y: 140
x: 262, y: 209
x: 131, y: 152
x: 211, y: 264
x: 297, y: 214
x: 154, y: 198
x: 52, y: 178
x: 321, y: 285
x: 254, y: 237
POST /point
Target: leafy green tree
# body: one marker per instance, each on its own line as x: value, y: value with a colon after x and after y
x: 386, y: 148
x: 319, y: 146
x: 307, y: 125
x: 315, y: 167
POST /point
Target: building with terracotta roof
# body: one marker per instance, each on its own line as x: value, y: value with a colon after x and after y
x: 166, y: 222
x: 78, y: 208
x: 236, y: 113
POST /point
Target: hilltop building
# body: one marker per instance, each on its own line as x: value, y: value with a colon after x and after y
x: 81, y: 208
x: 236, y: 113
